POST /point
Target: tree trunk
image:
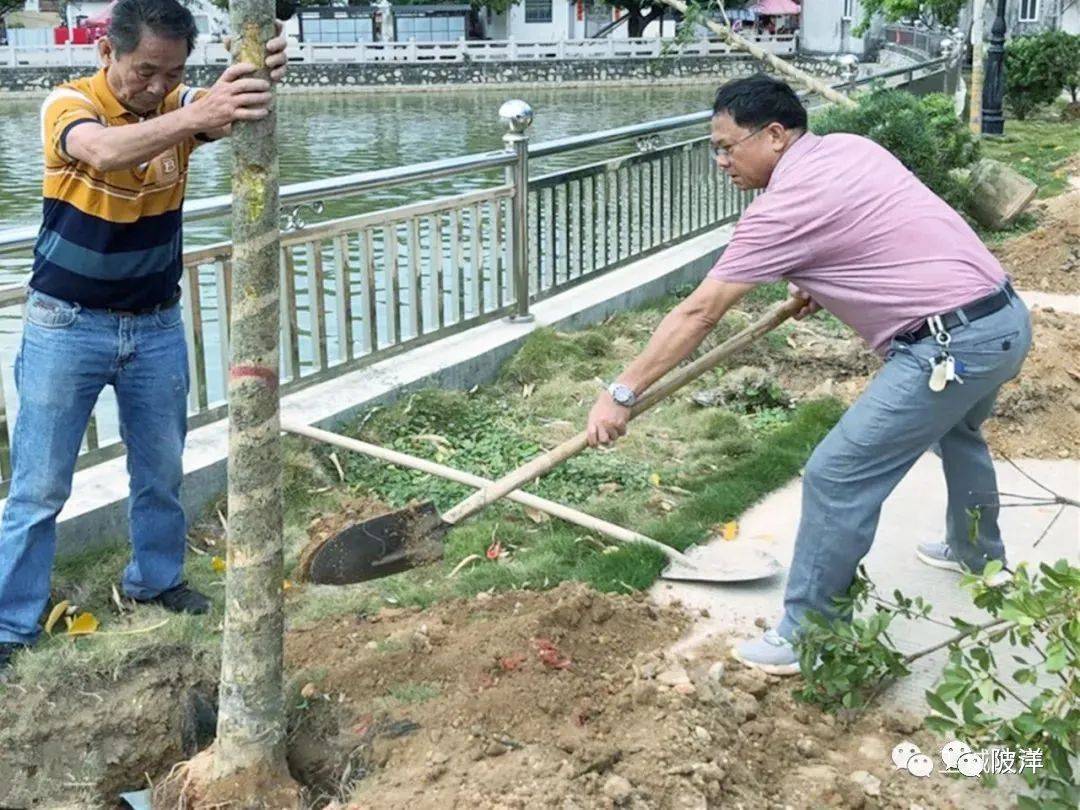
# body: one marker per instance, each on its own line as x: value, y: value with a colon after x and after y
x: 775, y: 62
x: 251, y: 719
x: 977, y: 56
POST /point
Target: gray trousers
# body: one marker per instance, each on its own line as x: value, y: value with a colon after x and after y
x: 879, y: 438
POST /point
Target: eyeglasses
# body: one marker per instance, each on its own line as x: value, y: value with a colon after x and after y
x: 725, y: 151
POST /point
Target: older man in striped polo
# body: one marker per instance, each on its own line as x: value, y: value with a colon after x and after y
x: 102, y: 304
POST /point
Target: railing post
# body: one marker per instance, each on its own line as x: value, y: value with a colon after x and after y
x: 517, y: 116
x: 511, y: 48
x: 849, y: 69
x: 948, y: 50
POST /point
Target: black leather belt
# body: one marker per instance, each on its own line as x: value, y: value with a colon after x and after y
x: 172, y: 302
x: 950, y: 320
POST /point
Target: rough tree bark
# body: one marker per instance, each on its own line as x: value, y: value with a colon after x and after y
x: 251, y: 715
x: 977, y: 56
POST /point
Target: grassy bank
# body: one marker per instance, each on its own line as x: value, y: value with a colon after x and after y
x: 1040, y: 148
x: 681, y: 472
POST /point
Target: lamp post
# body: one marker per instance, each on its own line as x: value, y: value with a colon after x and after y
x: 993, y: 119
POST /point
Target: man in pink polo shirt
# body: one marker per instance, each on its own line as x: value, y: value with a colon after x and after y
x: 855, y: 232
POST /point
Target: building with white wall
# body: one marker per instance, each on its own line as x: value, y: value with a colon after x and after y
x: 827, y: 27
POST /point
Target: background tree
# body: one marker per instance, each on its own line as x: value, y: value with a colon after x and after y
x: 1037, y: 68
x: 637, y: 14
x: 940, y: 13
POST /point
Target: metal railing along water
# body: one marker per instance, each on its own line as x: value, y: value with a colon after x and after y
x: 360, y: 288
x: 411, y: 51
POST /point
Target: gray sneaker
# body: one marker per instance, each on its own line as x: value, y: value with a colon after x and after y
x: 771, y: 653
x: 939, y: 555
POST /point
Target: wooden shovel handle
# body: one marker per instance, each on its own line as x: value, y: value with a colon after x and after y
x: 532, y: 470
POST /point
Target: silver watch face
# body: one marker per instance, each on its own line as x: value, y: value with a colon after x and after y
x: 622, y: 395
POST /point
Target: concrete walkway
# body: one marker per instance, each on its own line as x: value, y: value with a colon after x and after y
x: 1061, y: 302
x: 914, y: 513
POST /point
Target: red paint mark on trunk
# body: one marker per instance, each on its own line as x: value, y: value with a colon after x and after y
x: 266, y: 375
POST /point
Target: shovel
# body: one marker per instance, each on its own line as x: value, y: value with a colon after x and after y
x: 412, y: 536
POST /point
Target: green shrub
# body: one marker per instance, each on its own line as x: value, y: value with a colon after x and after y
x: 1038, y: 67
x: 922, y: 131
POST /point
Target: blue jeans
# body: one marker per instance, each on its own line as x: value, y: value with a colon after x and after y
x: 68, y: 355
x: 881, y: 436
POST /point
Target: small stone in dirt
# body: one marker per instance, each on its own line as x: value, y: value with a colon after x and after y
x: 751, y: 681
x: 702, y: 734
x: 758, y: 728
x: 617, y: 788
x: 495, y: 749
x: 807, y: 747
x: 483, y: 596
x: 686, y: 798
x: 309, y: 691
x: 674, y: 676
x: 869, y: 783
x: 686, y: 689
x: 761, y: 622
x: 602, y: 611
x: 644, y: 693
x: 439, y: 757
x: 873, y: 749
x: 743, y: 706
x: 716, y: 672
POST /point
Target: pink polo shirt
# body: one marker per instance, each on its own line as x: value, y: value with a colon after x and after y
x: 844, y: 221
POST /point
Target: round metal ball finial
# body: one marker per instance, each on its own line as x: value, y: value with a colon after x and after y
x: 516, y: 114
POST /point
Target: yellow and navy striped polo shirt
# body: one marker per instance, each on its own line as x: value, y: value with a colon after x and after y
x: 109, y: 239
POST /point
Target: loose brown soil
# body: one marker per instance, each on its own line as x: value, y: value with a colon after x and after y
x: 567, y: 700
x: 1038, y: 414
x: 1048, y: 258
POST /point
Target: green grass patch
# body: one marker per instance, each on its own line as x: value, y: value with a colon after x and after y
x: 1038, y: 148
x: 123, y: 642
x: 413, y: 693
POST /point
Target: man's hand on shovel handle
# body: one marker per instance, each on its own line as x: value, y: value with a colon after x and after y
x: 607, y: 421
x: 811, y: 306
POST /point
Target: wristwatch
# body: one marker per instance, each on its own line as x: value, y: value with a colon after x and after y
x: 622, y: 394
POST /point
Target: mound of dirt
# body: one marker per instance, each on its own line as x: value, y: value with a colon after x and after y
x: 567, y: 699
x: 1048, y: 258
x: 1038, y: 414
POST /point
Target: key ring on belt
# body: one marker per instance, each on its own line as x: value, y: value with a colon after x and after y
x: 937, y: 329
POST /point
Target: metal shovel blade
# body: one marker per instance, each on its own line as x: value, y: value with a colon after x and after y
x: 378, y: 547
x: 734, y: 565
